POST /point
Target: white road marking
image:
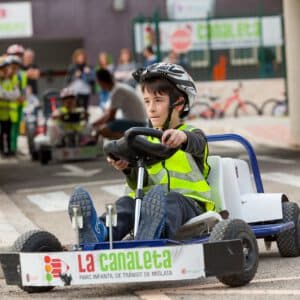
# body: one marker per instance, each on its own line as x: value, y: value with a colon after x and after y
x: 148, y: 295
x: 116, y: 189
x: 282, y: 178
x: 8, y: 161
x: 8, y: 232
x: 76, y: 171
x: 229, y: 291
x: 69, y: 186
x: 12, y: 221
x: 56, y: 201
x: 271, y: 159
x: 8, y: 235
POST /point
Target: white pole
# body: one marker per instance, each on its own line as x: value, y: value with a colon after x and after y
x: 291, y: 10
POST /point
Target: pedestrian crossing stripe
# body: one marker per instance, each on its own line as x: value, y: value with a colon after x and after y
x: 116, y: 189
x: 50, y: 202
x: 282, y: 178
x: 58, y: 201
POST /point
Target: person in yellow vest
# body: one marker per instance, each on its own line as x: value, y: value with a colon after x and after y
x: 15, y: 54
x: 8, y: 107
x: 68, y: 124
x: 176, y: 189
x: 18, y: 80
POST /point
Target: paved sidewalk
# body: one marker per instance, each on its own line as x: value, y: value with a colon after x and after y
x: 273, y: 132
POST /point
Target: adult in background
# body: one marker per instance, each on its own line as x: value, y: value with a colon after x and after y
x: 124, y: 98
x: 9, y: 94
x: 125, y: 67
x: 18, y: 76
x: 104, y: 63
x: 32, y: 70
x: 81, y: 77
x: 149, y: 56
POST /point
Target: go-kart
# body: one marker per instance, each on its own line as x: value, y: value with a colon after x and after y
x: 217, y: 243
x: 70, y: 147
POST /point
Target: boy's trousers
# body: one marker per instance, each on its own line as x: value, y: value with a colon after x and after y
x: 179, y: 208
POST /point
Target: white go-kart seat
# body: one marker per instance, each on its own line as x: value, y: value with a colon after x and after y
x: 233, y: 191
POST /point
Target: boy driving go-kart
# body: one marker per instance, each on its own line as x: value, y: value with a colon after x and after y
x: 176, y: 188
x: 166, y: 170
x: 179, y: 232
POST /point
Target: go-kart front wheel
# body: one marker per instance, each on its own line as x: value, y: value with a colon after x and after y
x: 288, y: 241
x: 238, y: 229
x: 36, y: 241
x: 44, y: 156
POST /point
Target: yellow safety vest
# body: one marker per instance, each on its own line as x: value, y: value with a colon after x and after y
x: 13, y: 104
x: 180, y: 173
x: 20, y: 79
x: 8, y: 107
x: 71, y: 126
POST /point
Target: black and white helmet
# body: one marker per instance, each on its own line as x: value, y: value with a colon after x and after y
x: 172, y: 72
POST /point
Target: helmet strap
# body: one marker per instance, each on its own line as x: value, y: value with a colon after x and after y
x: 150, y: 123
x: 173, y: 102
x: 166, y: 124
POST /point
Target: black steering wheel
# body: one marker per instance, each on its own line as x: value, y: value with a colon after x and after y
x: 134, y: 146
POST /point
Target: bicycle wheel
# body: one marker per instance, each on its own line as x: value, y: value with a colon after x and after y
x: 246, y: 108
x: 201, y: 110
x: 268, y: 106
x: 279, y: 109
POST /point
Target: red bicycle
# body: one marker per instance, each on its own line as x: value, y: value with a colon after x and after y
x: 218, y: 109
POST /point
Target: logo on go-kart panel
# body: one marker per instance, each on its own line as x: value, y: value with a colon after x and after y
x: 55, y: 268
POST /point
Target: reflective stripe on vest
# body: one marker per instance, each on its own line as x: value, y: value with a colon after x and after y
x: 180, y: 173
x: 13, y: 111
x: 4, y: 110
x: 13, y: 104
x: 71, y: 126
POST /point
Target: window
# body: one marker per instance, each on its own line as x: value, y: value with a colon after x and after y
x: 198, y: 58
x: 244, y: 56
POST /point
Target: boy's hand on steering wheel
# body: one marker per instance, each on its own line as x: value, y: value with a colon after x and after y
x: 173, y: 138
x: 120, y: 165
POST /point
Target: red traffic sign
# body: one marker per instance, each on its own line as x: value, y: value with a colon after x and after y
x: 181, y: 40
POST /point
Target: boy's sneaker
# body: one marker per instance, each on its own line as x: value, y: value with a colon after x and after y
x: 93, y: 231
x: 153, y: 215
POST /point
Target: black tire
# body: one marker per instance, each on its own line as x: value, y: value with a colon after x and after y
x: 246, y: 108
x: 44, y: 156
x: 268, y: 106
x: 288, y: 242
x: 34, y: 155
x: 36, y: 241
x: 238, y: 229
x: 202, y: 110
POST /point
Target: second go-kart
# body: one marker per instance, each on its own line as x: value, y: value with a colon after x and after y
x: 219, y: 243
x: 70, y: 146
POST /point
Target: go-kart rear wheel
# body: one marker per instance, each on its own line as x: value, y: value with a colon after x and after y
x: 44, y: 156
x: 36, y: 241
x: 238, y: 229
x: 288, y: 241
